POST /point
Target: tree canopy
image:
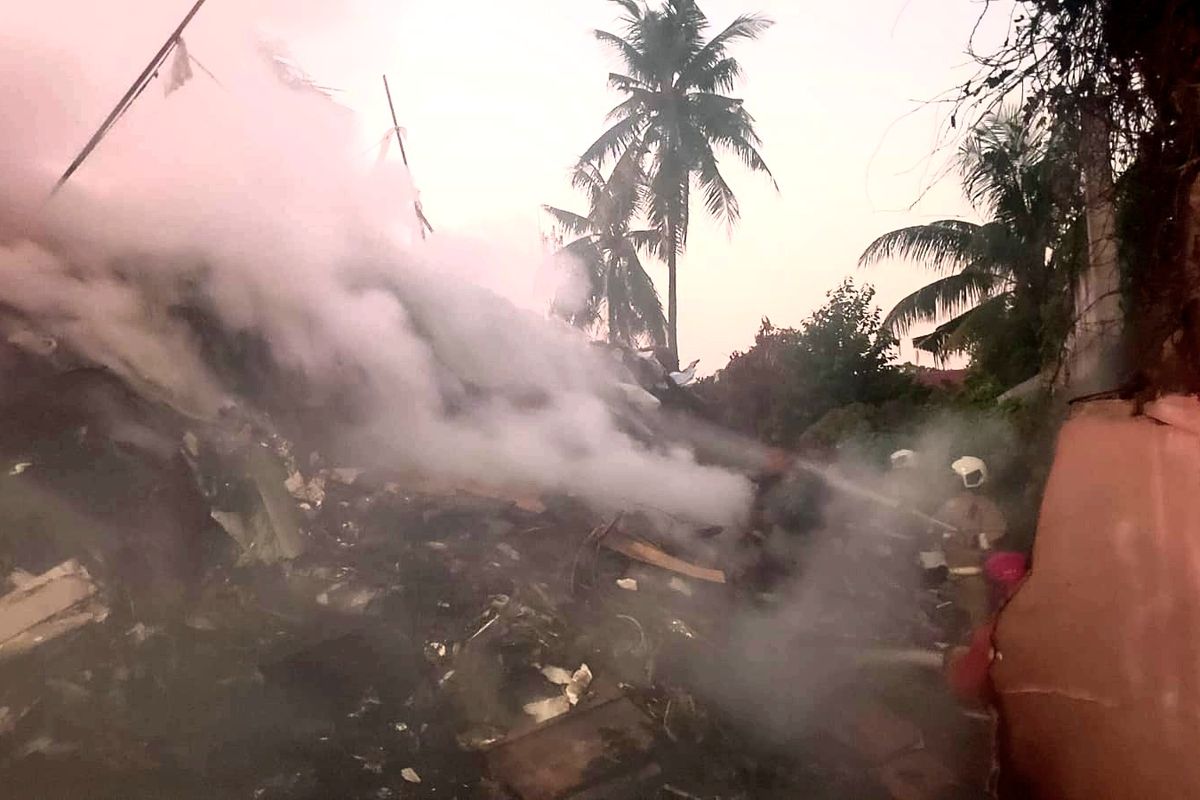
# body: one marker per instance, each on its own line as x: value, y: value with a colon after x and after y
x: 791, y: 377
x: 605, y: 257
x: 676, y: 110
x: 1008, y: 279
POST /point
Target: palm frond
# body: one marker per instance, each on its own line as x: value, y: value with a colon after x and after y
x: 586, y: 255
x: 614, y: 140
x: 631, y: 8
x: 941, y: 245
x: 644, y: 300
x: 944, y: 297
x: 997, y: 161
x: 634, y: 105
x: 746, y: 26
x: 724, y: 122
x: 571, y: 223
x: 721, y: 76
x: 585, y: 265
x: 628, y: 83
x: 956, y: 335
x: 635, y: 60
x: 719, y: 199
x: 711, y: 108
x: 587, y: 178
x: 646, y: 241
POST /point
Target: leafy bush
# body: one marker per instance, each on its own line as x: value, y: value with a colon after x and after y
x: 792, y: 377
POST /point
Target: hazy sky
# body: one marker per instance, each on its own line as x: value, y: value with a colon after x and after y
x: 498, y: 99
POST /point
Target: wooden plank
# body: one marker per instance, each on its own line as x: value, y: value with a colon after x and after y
x: 649, y: 554
x: 46, y: 606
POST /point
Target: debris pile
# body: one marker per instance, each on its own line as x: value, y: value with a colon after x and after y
x: 209, y: 609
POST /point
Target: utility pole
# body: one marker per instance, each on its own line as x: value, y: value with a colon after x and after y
x: 128, y: 98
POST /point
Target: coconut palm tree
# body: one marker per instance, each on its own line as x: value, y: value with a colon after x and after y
x: 606, y: 254
x: 677, y: 111
x: 1008, y: 277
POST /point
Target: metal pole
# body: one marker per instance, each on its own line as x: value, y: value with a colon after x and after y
x: 421, y: 218
x: 127, y: 98
x: 395, y: 122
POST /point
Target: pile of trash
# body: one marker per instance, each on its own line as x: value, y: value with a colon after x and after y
x: 210, y: 609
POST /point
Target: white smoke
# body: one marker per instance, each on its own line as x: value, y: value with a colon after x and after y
x: 260, y: 195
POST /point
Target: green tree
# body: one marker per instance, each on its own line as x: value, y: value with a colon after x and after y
x: 677, y: 111
x: 839, y: 357
x: 1005, y: 283
x: 606, y: 254
x: 1132, y: 65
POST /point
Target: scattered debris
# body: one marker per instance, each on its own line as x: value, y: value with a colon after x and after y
x: 367, y: 624
x: 932, y: 559
x: 680, y: 585
x: 557, y: 675
x: 345, y: 596
x: 345, y: 475
x: 685, y: 375
x: 311, y: 491
x: 140, y: 632
x: 581, y: 679
x: 8, y: 720
x: 480, y: 739
x: 638, y: 397
x: 445, y: 488
x: 642, y: 551
x: 549, y: 708
x: 588, y: 744
x: 50, y: 605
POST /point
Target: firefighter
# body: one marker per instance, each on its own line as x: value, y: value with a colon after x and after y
x: 978, y: 525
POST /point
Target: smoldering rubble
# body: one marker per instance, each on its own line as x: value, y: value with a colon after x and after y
x: 223, y: 608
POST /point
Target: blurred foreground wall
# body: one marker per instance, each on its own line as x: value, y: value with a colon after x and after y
x: 1098, y: 655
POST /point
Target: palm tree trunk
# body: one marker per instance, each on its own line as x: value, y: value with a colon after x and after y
x: 672, y: 298
x: 613, y: 334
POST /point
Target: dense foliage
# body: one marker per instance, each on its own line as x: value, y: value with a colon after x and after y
x: 1006, y: 283
x: 792, y: 377
x: 1132, y: 68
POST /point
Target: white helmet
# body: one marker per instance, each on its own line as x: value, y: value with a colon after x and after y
x: 972, y: 470
x: 903, y: 459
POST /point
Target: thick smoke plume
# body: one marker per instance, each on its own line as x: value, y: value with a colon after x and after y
x: 255, y: 198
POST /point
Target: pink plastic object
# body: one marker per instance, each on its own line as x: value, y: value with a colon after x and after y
x: 1005, y: 570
